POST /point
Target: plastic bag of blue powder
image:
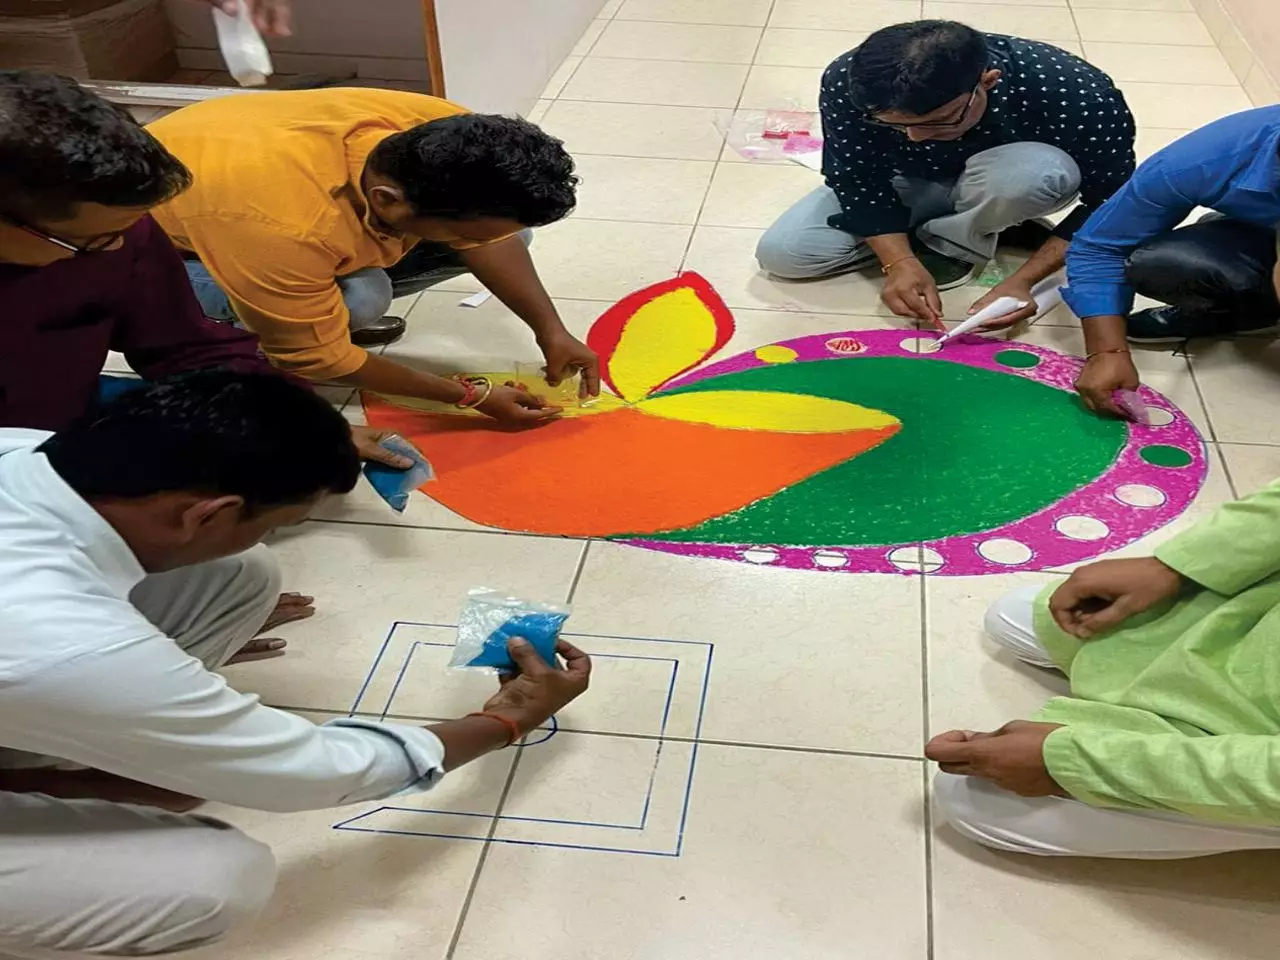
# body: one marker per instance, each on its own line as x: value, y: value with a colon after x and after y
x: 491, y: 618
x: 393, y: 484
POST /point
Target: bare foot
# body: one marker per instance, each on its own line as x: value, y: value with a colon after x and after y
x: 290, y: 607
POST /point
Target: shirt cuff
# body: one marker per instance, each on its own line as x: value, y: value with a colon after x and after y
x: 1098, y: 299
x: 422, y: 751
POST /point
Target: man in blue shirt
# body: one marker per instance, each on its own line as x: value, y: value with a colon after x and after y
x: 938, y: 140
x: 1217, y: 276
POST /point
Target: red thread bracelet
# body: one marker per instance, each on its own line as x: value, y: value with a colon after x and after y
x: 513, y: 728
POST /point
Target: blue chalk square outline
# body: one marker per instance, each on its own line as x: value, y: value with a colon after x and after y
x: 659, y: 742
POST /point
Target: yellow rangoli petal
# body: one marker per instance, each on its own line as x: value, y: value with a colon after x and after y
x: 669, y: 334
x: 762, y: 410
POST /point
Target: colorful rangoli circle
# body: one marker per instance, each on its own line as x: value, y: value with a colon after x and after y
x: 854, y: 451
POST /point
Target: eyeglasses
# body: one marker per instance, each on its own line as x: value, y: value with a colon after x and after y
x: 96, y: 245
x: 929, y: 124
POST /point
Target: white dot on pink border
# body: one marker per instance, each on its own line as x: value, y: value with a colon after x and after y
x: 1082, y: 528
x: 1140, y: 495
x: 1004, y: 551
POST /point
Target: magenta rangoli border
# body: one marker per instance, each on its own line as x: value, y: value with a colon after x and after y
x: 1119, y: 507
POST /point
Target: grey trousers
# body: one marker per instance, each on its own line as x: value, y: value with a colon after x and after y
x: 1000, y: 188
x: 89, y: 877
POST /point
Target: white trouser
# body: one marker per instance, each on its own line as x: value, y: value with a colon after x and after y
x: 1061, y: 827
x: 88, y: 877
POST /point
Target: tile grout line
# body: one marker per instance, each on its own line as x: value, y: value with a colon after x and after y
x: 742, y: 92
x: 697, y: 741
x: 577, y: 573
x: 925, y: 770
x: 465, y: 909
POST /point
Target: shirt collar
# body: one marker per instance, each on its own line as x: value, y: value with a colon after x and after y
x: 29, y: 478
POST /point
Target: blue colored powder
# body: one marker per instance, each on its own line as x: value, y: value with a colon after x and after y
x: 542, y: 630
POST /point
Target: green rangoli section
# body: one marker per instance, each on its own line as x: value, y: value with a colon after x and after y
x: 977, y: 449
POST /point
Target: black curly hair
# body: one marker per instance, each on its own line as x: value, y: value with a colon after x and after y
x: 916, y: 67
x: 61, y: 145
x: 480, y: 165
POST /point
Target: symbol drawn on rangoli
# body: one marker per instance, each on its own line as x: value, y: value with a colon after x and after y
x: 857, y: 451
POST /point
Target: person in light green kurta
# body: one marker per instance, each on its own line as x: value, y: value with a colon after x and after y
x: 1169, y: 745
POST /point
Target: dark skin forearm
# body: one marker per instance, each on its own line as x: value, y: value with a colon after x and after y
x: 1049, y: 259
x: 1105, y: 333
x: 395, y: 379
x: 506, y: 269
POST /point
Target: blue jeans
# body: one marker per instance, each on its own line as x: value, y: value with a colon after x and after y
x: 368, y: 293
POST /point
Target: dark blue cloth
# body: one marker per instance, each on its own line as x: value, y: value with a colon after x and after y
x: 110, y: 387
x: 1230, y: 166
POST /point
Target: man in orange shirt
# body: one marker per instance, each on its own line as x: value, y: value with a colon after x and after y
x: 303, y: 200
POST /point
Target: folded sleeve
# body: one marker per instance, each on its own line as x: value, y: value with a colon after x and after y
x: 285, y: 290
x: 1225, y: 779
x: 146, y: 710
x: 1148, y: 205
x: 1233, y: 548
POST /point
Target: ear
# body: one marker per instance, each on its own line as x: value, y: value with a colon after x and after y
x: 385, y: 196
x: 201, y: 514
x: 990, y: 77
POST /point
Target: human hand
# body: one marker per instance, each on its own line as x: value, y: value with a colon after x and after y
x: 1015, y: 289
x: 514, y: 406
x: 530, y: 698
x: 1102, y: 375
x: 910, y: 291
x: 1105, y: 594
x: 273, y: 17
x: 368, y: 441
x: 566, y: 355
x: 1012, y: 757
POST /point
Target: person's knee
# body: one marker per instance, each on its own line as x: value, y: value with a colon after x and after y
x: 258, y: 572
x: 1201, y: 265
x: 226, y: 881
x: 779, y: 255
x: 1037, y: 175
x: 367, y: 294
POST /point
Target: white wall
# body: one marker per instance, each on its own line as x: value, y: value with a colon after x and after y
x: 499, y: 54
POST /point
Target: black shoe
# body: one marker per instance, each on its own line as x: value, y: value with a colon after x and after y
x: 1173, y: 325
x: 947, y: 272
x: 1028, y: 235
x: 387, y: 330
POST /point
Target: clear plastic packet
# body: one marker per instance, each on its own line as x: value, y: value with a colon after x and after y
x: 490, y: 618
x: 566, y: 393
x: 394, y: 485
x: 242, y: 47
x: 786, y: 133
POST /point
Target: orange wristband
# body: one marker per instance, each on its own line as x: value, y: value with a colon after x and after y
x: 1098, y: 353
x: 513, y: 728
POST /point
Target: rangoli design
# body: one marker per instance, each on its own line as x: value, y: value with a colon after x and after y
x: 859, y: 451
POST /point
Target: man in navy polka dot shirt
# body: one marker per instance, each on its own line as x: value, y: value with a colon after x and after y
x: 938, y: 139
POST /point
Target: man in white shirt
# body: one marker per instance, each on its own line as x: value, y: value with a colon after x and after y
x: 175, y: 482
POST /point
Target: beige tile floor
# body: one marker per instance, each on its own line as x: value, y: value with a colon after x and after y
x: 804, y: 833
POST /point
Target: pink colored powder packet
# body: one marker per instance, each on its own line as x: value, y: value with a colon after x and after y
x: 1132, y: 406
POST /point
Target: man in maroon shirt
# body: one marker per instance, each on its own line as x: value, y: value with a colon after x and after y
x: 84, y: 270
